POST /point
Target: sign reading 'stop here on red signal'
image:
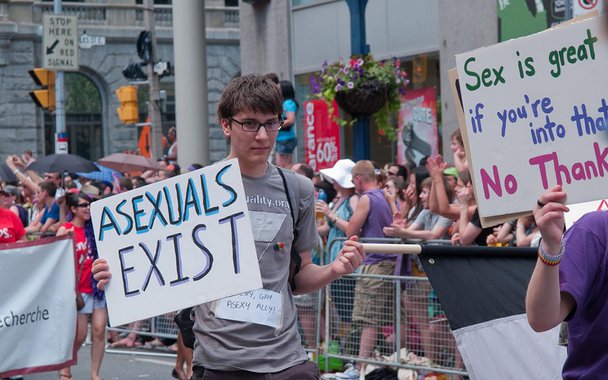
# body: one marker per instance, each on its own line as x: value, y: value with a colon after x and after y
x: 60, y: 42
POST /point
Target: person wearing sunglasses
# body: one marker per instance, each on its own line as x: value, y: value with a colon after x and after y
x: 79, y: 205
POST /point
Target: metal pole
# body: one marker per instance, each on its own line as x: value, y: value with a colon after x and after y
x: 358, y: 45
x: 60, y: 129
x: 191, y: 110
x: 154, y: 85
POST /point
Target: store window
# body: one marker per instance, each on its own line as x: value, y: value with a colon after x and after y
x: 423, y: 71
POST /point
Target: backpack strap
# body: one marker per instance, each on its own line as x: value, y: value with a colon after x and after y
x: 295, y: 259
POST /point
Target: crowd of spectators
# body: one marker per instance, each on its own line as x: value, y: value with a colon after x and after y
x: 428, y: 201
x: 35, y: 205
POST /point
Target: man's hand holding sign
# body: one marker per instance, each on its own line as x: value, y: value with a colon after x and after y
x: 176, y: 243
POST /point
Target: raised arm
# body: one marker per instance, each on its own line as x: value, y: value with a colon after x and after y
x: 546, y: 305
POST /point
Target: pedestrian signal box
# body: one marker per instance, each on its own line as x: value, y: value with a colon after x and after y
x: 128, y: 111
x: 44, y: 97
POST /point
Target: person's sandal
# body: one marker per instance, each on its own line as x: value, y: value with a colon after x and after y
x: 63, y: 376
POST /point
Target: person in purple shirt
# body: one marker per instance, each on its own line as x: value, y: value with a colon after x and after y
x: 374, y: 298
x: 570, y: 283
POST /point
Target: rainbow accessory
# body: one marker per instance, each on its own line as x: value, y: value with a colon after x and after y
x: 279, y: 246
x: 549, y: 259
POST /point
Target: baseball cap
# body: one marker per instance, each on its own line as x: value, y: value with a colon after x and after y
x: 451, y: 171
x: 10, y: 190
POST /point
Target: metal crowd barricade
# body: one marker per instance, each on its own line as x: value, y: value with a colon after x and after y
x: 161, y: 327
x: 310, y: 313
x: 419, y: 331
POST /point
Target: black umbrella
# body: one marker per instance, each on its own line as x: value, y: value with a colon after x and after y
x: 6, y: 174
x: 59, y: 163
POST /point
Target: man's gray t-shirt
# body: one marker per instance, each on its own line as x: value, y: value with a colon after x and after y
x: 231, y: 345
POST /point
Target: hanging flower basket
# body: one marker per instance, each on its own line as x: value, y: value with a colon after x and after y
x: 364, y: 100
x: 363, y: 86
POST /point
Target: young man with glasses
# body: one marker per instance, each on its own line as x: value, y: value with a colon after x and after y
x: 249, y: 115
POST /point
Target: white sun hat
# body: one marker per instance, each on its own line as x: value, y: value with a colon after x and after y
x: 340, y: 173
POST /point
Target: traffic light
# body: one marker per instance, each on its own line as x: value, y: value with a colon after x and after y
x: 128, y: 110
x: 45, y: 97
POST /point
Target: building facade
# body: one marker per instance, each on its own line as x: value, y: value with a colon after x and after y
x: 93, y: 125
x: 423, y: 35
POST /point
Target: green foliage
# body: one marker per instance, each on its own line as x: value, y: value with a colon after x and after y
x: 346, y: 76
x: 81, y: 95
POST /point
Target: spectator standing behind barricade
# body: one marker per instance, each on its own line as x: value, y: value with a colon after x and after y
x: 11, y: 228
x: 80, y: 228
x: 446, y: 179
x: 570, y: 283
x: 337, y: 217
x: 412, y: 193
x: 46, y: 221
x: 394, y: 192
x: 11, y: 200
x: 171, y: 156
x: 393, y: 170
x: 470, y: 230
x: 232, y: 348
x: 457, y: 147
x: 427, y: 226
x: 286, y: 139
x: 27, y: 157
x: 374, y: 303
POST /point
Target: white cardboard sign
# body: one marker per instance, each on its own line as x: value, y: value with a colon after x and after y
x: 176, y: 243
x: 579, y: 209
x: 536, y: 115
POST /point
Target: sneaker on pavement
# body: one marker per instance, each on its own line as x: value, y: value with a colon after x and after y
x: 351, y: 373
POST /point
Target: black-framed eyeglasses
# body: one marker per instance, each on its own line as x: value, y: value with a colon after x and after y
x: 83, y: 205
x: 392, y: 173
x: 254, y: 126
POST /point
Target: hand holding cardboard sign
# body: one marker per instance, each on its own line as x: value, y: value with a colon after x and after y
x: 101, y: 273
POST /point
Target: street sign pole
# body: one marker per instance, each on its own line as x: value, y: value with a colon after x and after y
x: 61, y: 140
x: 154, y: 85
x: 60, y: 53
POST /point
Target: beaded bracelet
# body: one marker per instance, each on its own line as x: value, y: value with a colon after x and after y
x: 549, y: 259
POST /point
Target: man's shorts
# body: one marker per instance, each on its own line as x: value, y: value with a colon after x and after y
x: 375, y: 298
x: 91, y: 303
x: 286, y: 146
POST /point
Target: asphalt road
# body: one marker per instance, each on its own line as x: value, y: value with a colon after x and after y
x: 120, y: 365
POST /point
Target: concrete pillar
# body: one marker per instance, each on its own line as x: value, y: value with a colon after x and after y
x: 191, y: 110
x: 265, y: 38
x: 457, y: 37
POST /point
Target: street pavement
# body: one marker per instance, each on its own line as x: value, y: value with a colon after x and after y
x: 120, y: 365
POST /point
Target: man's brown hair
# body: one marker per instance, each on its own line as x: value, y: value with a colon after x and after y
x: 366, y: 169
x: 250, y: 93
x: 49, y: 187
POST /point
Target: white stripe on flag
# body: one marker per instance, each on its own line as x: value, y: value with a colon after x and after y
x: 522, y: 353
